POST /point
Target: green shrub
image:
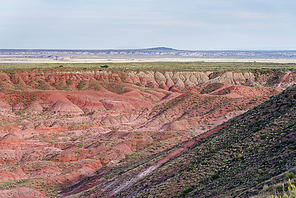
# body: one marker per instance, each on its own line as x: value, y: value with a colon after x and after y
x: 257, y: 129
x: 278, y: 188
x: 289, y: 176
x: 266, y: 112
x: 260, y: 171
x: 290, y: 142
x: 185, y: 192
x: 215, y: 176
x: 281, y: 189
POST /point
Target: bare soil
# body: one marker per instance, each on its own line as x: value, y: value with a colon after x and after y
x: 58, y: 127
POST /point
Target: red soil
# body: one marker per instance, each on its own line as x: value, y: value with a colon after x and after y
x: 62, y: 127
x: 21, y: 193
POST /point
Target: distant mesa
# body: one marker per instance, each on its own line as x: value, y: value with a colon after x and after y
x: 134, y: 48
x: 161, y: 49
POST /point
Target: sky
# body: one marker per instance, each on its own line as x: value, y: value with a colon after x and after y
x: 118, y: 24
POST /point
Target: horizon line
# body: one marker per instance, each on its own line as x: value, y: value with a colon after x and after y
x: 152, y: 48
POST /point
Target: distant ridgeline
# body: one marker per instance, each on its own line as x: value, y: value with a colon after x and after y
x: 158, y: 51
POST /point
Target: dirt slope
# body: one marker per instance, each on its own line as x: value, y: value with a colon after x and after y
x: 58, y: 127
x: 239, y: 159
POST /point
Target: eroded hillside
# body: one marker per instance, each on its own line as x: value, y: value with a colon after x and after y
x: 251, y: 154
x: 58, y: 126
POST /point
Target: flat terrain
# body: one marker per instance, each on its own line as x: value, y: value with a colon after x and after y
x: 147, y: 60
x: 160, y: 54
x: 156, y: 66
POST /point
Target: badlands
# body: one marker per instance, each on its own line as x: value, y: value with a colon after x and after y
x: 60, y: 125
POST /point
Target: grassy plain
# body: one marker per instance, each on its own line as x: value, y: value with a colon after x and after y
x: 200, y: 65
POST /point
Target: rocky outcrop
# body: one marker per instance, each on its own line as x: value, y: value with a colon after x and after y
x: 182, y: 79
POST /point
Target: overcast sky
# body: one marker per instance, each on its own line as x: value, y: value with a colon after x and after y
x: 186, y: 24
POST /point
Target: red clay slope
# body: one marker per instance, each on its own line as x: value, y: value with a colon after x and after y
x: 56, y: 128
